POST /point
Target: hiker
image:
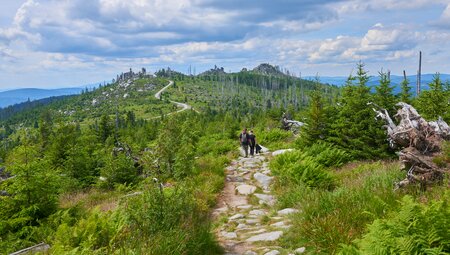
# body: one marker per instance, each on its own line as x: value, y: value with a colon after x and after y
x: 252, y: 142
x: 243, y: 139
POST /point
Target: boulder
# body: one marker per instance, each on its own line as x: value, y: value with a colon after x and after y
x: 272, y: 252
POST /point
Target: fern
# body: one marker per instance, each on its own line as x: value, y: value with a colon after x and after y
x: 415, y: 229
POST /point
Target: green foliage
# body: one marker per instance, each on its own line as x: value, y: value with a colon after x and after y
x: 355, y: 128
x: 215, y: 145
x: 33, y: 190
x: 383, y: 96
x: 299, y: 167
x: 328, y: 155
x: 414, y: 229
x: 332, y: 218
x: 434, y: 102
x: 119, y: 169
x: 405, y: 94
x: 157, y: 222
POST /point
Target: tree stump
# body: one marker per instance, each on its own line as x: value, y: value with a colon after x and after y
x: 420, y: 142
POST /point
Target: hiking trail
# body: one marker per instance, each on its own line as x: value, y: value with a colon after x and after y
x: 183, y: 106
x: 248, y: 222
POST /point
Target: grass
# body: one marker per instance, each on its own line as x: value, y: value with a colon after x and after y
x: 332, y: 218
x: 89, y: 199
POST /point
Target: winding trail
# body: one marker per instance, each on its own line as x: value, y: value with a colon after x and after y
x: 183, y: 106
x: 247, y: 221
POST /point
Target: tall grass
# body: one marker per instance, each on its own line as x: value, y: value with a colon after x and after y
x: 331, y: 218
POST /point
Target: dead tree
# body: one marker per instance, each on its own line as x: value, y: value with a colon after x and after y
x: 419, y: 140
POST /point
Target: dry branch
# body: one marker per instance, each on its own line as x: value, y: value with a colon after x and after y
x: 420, y: 141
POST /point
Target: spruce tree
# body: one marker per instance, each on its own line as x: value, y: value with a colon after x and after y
x: 355, y: 128
x: 317, y: 118
x: 435, y: 102
x: 405, y: 94
x: 383, y: 93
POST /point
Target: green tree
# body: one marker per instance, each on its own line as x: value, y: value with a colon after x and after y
x: 317, y: 118
x: 405, y: 93
x: 383, y: 93
x: 105, y: 128
x: 434, y: 102
x: 45, y: 127
x: 119, y: 169
x: 33, y: 190
x: 355, y: 128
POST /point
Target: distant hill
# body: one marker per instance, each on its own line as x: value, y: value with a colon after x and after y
x: 268, y: 69
x: 16, y: 96
x: 395, y: 80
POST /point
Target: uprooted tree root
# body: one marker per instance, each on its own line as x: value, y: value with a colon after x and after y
x: 420, y: 140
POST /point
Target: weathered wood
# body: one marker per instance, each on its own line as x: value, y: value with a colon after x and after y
x: 42, y: 247
x: 420, y: 141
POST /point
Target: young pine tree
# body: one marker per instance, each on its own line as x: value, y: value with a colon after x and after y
x: 355, y: 128
x: 383, y: 93
x: 405, y: 93
x: 435, y: 102
x: 317, y: 118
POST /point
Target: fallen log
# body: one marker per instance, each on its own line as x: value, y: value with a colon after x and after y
x: 420, y: 142
x: 42, y: 247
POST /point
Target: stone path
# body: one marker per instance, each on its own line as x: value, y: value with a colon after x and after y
x: 247, y: 221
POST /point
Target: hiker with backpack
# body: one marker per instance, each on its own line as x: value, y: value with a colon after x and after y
x: 252, y: 142
x: 243, y: 139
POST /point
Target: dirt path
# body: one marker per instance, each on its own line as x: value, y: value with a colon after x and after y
x: 183, y: 106
x: 247, y: 221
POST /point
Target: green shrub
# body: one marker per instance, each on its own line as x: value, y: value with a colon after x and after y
x: 301, y: 168
x: 328, y: 155
x: 274, y: 138
x: 215, y: 145
x: 329, y: 219
x: 119, y: 169
x: 414, y: 229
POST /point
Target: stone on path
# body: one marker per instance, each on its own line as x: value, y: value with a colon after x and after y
x: 287, y: 211
x: 270, y: 236
x: 252, y: 221
x: 236, y: 216
x: 250, y: 253
x: 241, y: 226
x: 278, y: 152
x: 265, y: 199
x: 229, y: 235
x: 232, y: 178
x: 245, y: 189
x: 280, y: 224
x: 272, y: 252
x: 257, y: 212
x: 244, y: 207
x: 263, y: 180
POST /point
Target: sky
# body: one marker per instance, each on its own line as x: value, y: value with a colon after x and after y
x: 66, y: 43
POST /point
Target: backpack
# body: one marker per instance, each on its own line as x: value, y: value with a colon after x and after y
x: 244, y: 138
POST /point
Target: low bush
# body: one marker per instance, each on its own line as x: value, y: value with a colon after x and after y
x: 414, y: 229
x: 328, y: 155
x: 332, y: 218
x: 299, y: 167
